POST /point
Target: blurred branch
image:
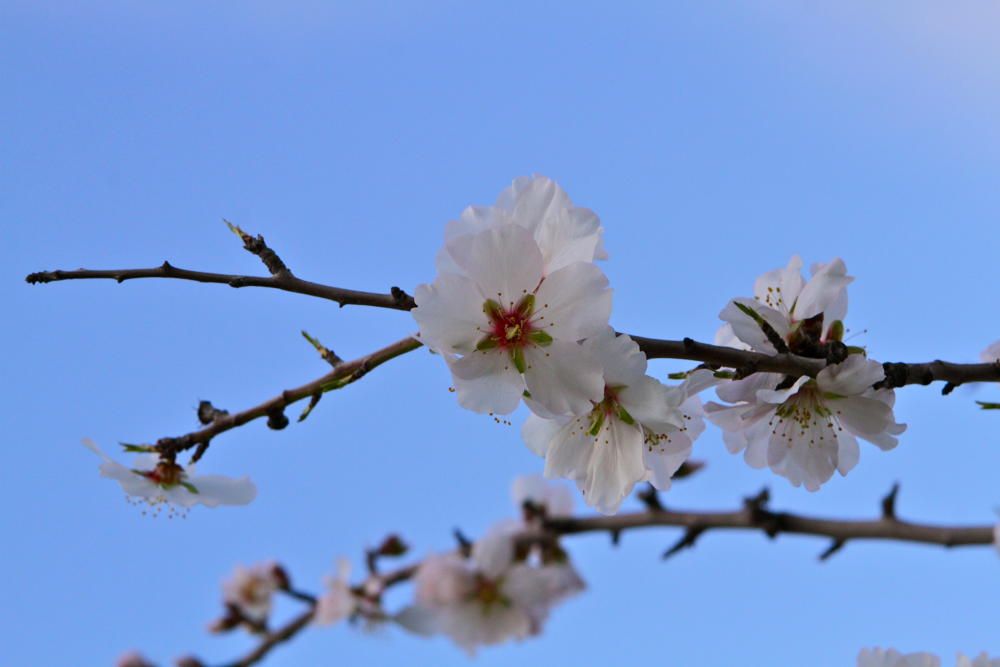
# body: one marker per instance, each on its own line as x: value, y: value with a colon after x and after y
x: 342, y: 374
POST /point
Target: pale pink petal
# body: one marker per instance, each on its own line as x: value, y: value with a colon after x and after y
x: 573, y: 303
x: 563, y: 377
x: 503, y: 261
x: 487, y: 382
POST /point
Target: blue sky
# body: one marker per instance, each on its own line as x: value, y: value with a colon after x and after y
x: 715, y: 140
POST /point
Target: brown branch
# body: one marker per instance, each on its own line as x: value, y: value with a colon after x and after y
x: 397, y: 299
x: 753, y: 516
x: 746, y: 362
x: 342, y: 375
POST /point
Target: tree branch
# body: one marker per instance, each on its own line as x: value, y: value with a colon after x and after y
x: 343, y: 374
x: 397, y: 299
x: 753, y: 516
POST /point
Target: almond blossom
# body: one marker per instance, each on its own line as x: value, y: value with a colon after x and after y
x: 338, y: 602
x: 991, y: 353
x: 806, y: 430
x: 639, y: 429
x: 488, y: 598
x: 564, y: 233
x: 878, y: 657
x: 505, y: 326
x: 157, y: 482
x: 248, y: 592
x: 804, y: 314
x: 545, y: 498
x: 981, y: 660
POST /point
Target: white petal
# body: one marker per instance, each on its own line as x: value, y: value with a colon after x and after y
x: 779, y: 396
x: 851, y: 377
x: 563, y: 378
x: 450, y: 314
x: 504, y: 262
x: 663, y: 458
x: 778, y: 289
x: 538, y: 433
x: 573, y: 303
x: 215, y: 490
x: 868, y: 418
x: 487, y: 382
x: 493, y: 553
x: 615, y: 466
x: 569, y: 451
x: 748, y: 330
x: 823, y: 290
x: 620, y: 356
x: 649, y: 402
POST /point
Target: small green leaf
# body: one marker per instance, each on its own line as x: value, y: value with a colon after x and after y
x: 724, y: 375
x: 681, y: 375
x: 988, y: 406
x: 189, y: 486
x: 854, y: 349
x: 540, y: 338
x: 749, y: 312
x: 139, y: 449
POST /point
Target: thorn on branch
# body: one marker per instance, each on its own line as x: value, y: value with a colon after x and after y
x: 208, y: 413
x: 199, y: 451
x: 949, y: 387
x: 276, y: 419
x: 889, y: 503
x: 616, y: 536
x: 464, y: 543
x: 650, y: 498
x: 834, y: 547
x: 257, y: 246
x: 687, y: 541
x: 313, y: 402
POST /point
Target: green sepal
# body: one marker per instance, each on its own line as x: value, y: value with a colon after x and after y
x: 680, y: 375
x: 855, y: 349
x: 526, y: 306
x: 189, y: 486
x: 540, y: 338
x: 526, y: 393
x: 836, y: 331
x: 492, y: 309
x: 724, y: 375
x: 749, y: 312
x: 596, y: 422
x: 487, y: 343
x: 517, y: 356
x: 625, y: 416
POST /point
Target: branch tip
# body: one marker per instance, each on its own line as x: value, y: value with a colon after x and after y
x: 889, y: 503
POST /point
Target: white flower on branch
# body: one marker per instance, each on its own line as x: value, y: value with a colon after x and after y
x: 544, y: 497
x: 639, y: 429
x: 490, y: 597
x: 878, y: 657
x: 803, y: 313
x: 564, y: 233
x: 807, y: 430
x: 338, y: 602
x: 249, y: 590
x: 505, y: 327
x: 981, y: 660
x: 991, y: 353
x: 158, y: 482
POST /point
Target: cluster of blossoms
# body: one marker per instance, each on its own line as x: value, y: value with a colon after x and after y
x: 520, y: 311
x: 878, y: 657
x: 502, y: 587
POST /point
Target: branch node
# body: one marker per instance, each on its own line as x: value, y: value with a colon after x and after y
x: 889, y: 503
x: 257, y: 246
x: 402, y: 299
x: 208, y: 413
x: 276, y: 418
x: 949, y: 387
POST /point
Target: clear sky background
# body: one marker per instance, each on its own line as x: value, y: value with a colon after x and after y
x: 714, y: 139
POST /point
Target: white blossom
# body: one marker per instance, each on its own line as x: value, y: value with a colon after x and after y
x: 338, y: 602
x: 784, y: 300
x: 249, y: 590
x: 553, y: 500
x: 807, y: 431
x: 158, y: 482
x: 640, y: 429
x: 564, y: 233
x: 991, y: 353
x: 488, y: 598
x: 505, y: 327
x: 981, y: 660
x: 878, y: 657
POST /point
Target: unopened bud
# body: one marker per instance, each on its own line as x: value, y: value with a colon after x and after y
x: 393, y: 545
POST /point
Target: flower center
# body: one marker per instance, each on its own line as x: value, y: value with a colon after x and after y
x: 513, y: 329
x: 487, y: 593
x: 805, y: 417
